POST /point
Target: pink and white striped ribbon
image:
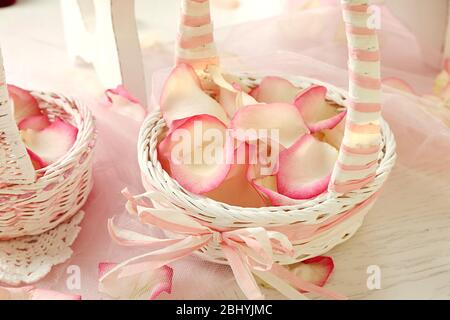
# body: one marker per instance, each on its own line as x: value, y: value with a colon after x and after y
x: 358, y: 156
x: 196, y: 45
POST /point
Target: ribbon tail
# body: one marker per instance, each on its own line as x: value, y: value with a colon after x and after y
x: 162, y: 257
x: 281, y: 286
x: 242, y: 273
x: 301, y: 284
x: 131, y: 238
x: 153, y: 260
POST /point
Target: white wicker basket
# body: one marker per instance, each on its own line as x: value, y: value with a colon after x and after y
x: 311, y: 212
x: 36, y: 202
x: 312, y: 227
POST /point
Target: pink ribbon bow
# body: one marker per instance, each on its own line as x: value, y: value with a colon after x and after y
x: 249, y: 251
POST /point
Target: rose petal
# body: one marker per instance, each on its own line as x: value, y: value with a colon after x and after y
x: 231, y: 95
x: 183, y: 97
x: 317, y: 113
x: 37, y: 162
x: 51, y: 143
x: 148, y: 285
x: 36, y: 123
x: 315, y: 270
x: 267, y: 187
x: 276, y: 90
x: 273, y: 119
x: 199, y: 153
x: 24, y: 104
x: 232, y: 102
x: 335, y: 136
x: 398, y: 84
x: 123, y: 103
x: 305, y: 168
x: 236, y: 190
x: 262, y: 175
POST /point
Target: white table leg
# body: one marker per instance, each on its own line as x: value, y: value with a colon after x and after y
x: 104, y: 33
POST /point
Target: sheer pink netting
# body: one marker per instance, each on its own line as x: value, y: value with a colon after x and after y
x: 309, y: 43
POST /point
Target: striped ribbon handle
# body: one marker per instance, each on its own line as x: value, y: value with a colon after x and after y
x: 195, y: 45
x: 358, y: 156
x: 15, y: 164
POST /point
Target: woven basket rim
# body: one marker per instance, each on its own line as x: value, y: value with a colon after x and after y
x: 82, y: 118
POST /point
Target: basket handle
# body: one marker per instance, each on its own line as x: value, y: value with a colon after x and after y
x: 15, y: 164
x: 195, y: 41
x: 358, y: 156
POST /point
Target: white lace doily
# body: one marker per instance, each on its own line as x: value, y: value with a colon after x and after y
x: 28, y: 259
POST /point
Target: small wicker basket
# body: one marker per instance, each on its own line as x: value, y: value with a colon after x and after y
x: 313, y: 226
x: 33, y: 202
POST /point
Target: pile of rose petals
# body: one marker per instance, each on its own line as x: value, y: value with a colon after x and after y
x: 275, y: 144
x: 46, y: 140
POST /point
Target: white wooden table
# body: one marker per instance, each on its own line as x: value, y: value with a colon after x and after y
x: 406, y: 235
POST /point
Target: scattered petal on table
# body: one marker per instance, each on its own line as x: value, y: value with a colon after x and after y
x: 123, y: 103
x: 315, y: 270
x: 36, y: 123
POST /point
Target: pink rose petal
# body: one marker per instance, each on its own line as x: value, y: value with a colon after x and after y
x: 236, y: 190
x: 51, y: 143
x: 148, y: 285
x: 123, y: 103
x: 267, y: 187
x: 36, y: 123
x: 275, y: 90
x: 232, y: 94
x: 183, y: 97
x: 24, y: 104
x: 199, y: 163
x: 37, y: 162
x: 315, y: 270
x: 317, y: 113
x: 305, y: 168
x: 280, y: 118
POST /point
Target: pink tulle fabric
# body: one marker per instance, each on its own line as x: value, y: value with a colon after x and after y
x: 309, y: 43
